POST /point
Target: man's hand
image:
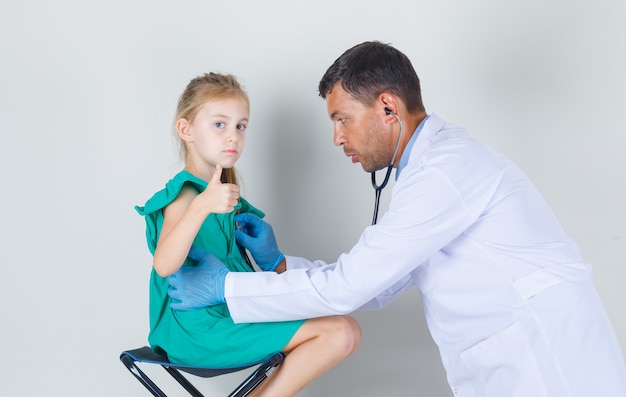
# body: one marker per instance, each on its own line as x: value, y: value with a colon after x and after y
x: 195, y: 287
x: 258, y: 237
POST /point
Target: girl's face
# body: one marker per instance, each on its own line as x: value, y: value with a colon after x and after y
x: 216, y: 135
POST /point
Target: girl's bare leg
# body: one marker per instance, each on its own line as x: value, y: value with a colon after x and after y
x: 320, y: 344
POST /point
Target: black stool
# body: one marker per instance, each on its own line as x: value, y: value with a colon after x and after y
x: 147, y: 355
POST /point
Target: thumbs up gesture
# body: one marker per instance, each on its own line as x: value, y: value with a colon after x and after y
x: 218, y: 197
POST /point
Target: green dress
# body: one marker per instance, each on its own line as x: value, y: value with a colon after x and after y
x: 206, y: 337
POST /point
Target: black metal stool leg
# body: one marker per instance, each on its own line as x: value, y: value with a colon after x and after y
x: 256, y: 378
x: 142, y: 377
x: 183, y: 381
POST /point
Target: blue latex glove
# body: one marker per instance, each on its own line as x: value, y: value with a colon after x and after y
x: 195, y: 287
x: 258, y: 237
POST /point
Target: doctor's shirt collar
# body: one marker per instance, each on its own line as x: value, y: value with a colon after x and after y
x: 407, y: 150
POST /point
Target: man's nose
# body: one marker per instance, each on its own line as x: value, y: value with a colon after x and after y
x: 339, y: 137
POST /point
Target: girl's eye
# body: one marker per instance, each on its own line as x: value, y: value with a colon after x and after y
x: 241, y: 127
x: 220, y: 124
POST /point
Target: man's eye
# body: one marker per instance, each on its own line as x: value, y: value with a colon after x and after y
x: 342, y: 120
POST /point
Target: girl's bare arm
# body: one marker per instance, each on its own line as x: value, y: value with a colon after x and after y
x: 181, y: 223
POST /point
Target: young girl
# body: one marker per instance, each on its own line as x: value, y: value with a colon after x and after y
x: 197, y: 208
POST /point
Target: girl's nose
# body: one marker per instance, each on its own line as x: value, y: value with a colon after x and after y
x: 232, y: 136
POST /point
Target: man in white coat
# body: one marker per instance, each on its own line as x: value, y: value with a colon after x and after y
x: 507, y: 296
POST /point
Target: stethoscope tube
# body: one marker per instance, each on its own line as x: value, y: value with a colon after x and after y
x: 379, y: 188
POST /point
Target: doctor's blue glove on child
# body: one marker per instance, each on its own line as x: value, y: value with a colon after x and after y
x: 203, y: 284
x: 258, y: 237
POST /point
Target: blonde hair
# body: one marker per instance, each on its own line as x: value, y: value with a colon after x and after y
x: 200, y: 90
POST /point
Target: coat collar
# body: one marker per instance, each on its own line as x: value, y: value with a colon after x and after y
x: 420, y: 140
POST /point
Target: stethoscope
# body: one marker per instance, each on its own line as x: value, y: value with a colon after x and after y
x: 379, y: 188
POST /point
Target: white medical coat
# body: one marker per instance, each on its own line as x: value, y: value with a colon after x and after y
x: 507, y: 296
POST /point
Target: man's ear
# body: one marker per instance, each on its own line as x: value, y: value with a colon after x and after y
x: 183, y: 128
x: 388, y: 102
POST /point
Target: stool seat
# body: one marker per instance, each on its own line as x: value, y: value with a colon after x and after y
x: 146, y: 355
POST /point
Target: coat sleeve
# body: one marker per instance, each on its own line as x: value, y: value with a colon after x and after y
x: 389, y: 295
x: 426, y: 212
x: 294, y: 262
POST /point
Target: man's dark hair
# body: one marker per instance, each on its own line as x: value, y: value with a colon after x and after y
x: 370, y: 68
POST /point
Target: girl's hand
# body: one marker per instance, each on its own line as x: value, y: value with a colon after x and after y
x: 218, y: 197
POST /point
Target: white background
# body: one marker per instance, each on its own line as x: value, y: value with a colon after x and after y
x: 87, y: 96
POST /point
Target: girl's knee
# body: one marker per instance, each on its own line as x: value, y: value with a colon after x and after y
x: 346, y: 334
x: 341, y: 334
x: 356, y: 330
